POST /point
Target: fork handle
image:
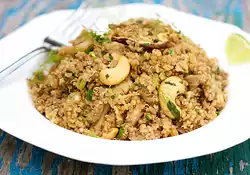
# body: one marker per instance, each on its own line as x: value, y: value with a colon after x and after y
x: 20, y: 62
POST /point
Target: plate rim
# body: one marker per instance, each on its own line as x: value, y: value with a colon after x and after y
x: 94, y: 140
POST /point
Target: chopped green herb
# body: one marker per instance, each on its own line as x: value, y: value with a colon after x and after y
x: 139, y: 85
x: 218, y: 69
x: 92, y: 54
x: 172, y: 108
x: 121, y: 132
x: 217, y: 113
x: 145, y: 44
x: 99, y: 38
x: 110, y: 57
x: 197, y: 110
x: 148, y: 117
x: 107, y: 76
x: 38, y: 75
x: 112, y: 96
x: 90, y: 49
x: 89, y: 95
x: 170, y: 83
x: 52, y: 58
x: 184, y: 37
x: 158, y: 21
x: 139, y: 21
x: 171, y: 52
x: 82, y: 84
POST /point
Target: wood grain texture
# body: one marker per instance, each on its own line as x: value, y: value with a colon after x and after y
x: 20, y: 158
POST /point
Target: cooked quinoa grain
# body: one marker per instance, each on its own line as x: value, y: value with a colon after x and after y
x: 140, y: 81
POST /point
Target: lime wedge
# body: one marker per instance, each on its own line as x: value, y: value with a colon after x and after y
x: 237, y: 49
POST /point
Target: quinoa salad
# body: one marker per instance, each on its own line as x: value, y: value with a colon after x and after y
x: 141, y: 80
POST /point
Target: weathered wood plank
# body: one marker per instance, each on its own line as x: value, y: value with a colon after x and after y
x: 7, y: 150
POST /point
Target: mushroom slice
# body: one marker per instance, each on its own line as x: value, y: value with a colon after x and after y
x: 146, y: 45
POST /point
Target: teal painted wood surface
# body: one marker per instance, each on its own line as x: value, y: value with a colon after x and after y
x: 20, y: 158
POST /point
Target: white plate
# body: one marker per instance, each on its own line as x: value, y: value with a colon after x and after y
x: 19, y: 118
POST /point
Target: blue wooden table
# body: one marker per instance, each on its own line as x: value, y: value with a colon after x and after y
x: 20, y: 158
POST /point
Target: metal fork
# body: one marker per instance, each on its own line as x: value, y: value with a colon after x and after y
x: 59, y: 37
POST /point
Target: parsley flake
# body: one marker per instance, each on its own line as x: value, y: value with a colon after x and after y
x: 110, y: 57
x: 90, y: 49
x: 38, y: 75
x: 139, y: 21
x: 171, y: 52
x: 89, y: 95
x: 99, y: 38
x: 139, y: 85
x: 121, y: 132
x: 148, y: 117
x: 218, y: 69
x: 217, y: 113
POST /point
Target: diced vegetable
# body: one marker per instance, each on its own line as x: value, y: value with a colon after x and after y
x: 91, y: 134
x: 174, y: 132
x: 217, y: 113
x: 92, y: 54
x: 110, y: 57
x: 82, y: 84
x: 121, y: 132
x: 148, y: 117
x: 139, y: 21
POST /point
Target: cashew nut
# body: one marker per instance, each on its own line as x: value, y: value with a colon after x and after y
x: 112, y: 134
x: 117, y: 74
x: 168, y: 91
